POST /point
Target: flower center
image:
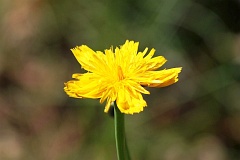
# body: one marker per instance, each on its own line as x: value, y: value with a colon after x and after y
x: 120, y: 73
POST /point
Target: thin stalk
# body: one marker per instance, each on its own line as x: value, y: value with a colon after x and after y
x: 119, y: 133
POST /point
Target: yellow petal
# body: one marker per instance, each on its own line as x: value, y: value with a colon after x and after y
x: 161, y: 78
x: 87, y: 85
x: 155, y: 63
x: 130, y: 102
x: 108, y: 104
x: 90, y: 60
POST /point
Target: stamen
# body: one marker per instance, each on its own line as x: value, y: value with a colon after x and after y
x: 120, y: 73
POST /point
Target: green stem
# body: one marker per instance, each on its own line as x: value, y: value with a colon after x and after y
x: 119, y: 133
x: 121, y: 143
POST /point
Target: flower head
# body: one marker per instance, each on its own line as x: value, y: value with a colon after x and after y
x: 119, y: 75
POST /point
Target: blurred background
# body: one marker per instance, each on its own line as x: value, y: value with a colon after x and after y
x: 197, y: 118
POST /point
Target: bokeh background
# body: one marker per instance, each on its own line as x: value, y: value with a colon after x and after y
x: 197, y: 118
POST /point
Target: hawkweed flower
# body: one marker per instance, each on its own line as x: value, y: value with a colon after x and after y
x: 119, y: 76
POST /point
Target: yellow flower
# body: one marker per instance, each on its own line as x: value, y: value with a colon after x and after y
x: 119, y: 75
